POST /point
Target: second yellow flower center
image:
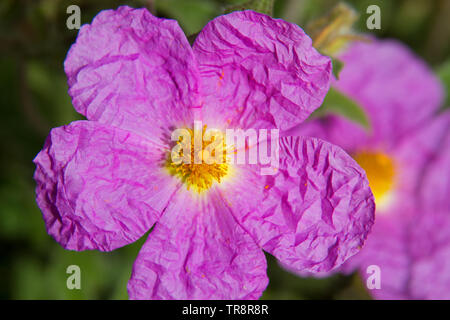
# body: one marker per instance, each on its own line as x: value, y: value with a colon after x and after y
x: 380, y: 172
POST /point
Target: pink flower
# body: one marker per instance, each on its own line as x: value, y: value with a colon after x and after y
x: 405, y: 156
x: 103, y: 183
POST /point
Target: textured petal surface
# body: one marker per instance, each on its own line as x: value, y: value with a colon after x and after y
x: 313, y: 214
x: 99, y: 187
x: 198, y: 251
x: 134, y: 71
x: 259, y: 72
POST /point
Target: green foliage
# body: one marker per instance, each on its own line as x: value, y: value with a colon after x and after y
x: 262, y: 6
x: 336, y: 102
x: 49, y: 89
x: 192, y: 15
x: 443, y: 73
x: 337, y: 67
x: 286, y: 285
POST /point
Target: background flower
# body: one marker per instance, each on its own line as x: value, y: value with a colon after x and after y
x: 402, y: 99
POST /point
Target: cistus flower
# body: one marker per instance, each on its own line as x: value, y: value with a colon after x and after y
x: 104, y: 182
x: 410, y: 240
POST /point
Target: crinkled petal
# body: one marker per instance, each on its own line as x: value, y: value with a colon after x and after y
x: 132, y: 70
x: 198, y: 251
x: 313, y: 214
x: 99, y: 187
x: 257, y: 71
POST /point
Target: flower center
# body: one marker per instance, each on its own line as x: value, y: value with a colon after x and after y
x: 198, y: 159
x: 380, y: 172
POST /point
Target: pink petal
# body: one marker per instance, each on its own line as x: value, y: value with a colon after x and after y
x: 435, y: 187
x: 338, y: 130
x: 387, y: 248
x: 417, y: 154
x: 198, y: 251
x: 430, y: 239
x: 314, y: 213
x: 397, y: 89
x: 411, y: 252
x: 430, y: 246
x: 132, y: 70
x: 259, y: 72
x: 99, y: 187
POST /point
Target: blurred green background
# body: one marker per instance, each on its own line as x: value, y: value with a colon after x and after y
x: 34, y: 40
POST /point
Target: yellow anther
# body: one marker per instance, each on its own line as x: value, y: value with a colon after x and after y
x: 199, y: 176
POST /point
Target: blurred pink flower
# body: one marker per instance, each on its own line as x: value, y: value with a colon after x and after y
x: 403, y: 156
x: 101, y: 183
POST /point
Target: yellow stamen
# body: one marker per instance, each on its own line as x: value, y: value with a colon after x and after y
x: 199, y: 176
